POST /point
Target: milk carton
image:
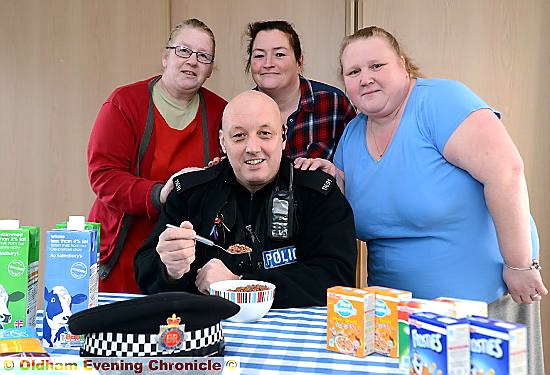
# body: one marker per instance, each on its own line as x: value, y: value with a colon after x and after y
x: 465, y: 307
x: 19, y: 252
x: 497, y: 347
x: 439, y: 345
x: 350, y: 321
x: 386, y: 334
x: 87, y: 225
x: 406, y: 308
x: 70, y: 282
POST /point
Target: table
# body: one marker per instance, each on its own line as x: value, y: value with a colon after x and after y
x: 285, y: 341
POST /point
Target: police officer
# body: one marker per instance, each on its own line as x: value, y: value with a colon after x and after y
x: 297, y: 222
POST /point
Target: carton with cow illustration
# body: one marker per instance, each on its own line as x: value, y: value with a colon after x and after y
x: 19, y: 252
x: 70, y: 281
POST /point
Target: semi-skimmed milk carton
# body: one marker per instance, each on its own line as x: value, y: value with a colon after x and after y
x: 406, y: 308
x: 386, y: 322
x: 350, y: 321
x: 439, y: 345
x: 497, y: 347
x: 71, y: 280
x: 19, y: 252
x: 463, y: 308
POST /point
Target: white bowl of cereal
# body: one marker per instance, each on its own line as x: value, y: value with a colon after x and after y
x: 254, y: 297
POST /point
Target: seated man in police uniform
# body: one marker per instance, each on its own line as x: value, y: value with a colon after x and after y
x: 299, y: 225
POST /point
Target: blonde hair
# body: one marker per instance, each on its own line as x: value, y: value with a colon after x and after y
x: 192, y: 23
x: 375, y: 31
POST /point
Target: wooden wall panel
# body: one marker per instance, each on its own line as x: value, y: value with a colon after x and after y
x: 319, y: 23
x: 500, y: 49
x: 60, y: 59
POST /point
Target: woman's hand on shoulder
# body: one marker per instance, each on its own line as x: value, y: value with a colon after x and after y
x: 215, y: 161
x: 169, y: 185
x: 324, y: 165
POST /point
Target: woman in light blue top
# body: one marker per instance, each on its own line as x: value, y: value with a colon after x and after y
x: 437, y: 187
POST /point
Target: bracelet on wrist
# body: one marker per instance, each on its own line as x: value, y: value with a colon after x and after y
x: 534, y: 266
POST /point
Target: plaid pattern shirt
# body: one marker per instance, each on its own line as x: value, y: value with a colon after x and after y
x: 317, y: 125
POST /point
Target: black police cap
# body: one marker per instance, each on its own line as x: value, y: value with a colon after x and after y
x: 150, y: 326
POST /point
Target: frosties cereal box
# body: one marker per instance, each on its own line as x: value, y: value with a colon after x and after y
x: 439, y: 345
x: 497, y: 347
x: 465, y: 307
x: 405, y: 308
x: 350, y: 321
x: 386, y: 334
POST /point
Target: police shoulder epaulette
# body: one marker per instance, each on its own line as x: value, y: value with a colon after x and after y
x: 189, y: 180
x: 316, y: 180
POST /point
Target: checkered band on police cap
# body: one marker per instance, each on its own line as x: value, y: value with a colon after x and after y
x: 108, y: 344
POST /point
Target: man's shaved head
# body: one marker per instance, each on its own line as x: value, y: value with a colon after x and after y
x: 252, y: 135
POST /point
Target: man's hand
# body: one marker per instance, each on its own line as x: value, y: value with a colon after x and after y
x: 176, y: 248
x: 214, y: 270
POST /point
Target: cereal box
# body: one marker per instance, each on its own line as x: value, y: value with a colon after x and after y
x: 405, y: 308
x: 386, y: 333
x: 19, y: 252
x: 21, y: 342
x: 350, y: 321
x: 439, y: 345
x: 70, y: 281
x: 497, y: 347
x: 465, y: 307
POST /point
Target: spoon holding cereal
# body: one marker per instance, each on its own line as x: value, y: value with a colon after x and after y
x: 233, y: 249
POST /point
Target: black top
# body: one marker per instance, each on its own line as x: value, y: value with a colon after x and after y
x: 324, y: 234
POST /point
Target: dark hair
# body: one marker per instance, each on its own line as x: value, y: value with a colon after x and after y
x: 255, y: 27
x: 192, y: 23
x: 375, y: 31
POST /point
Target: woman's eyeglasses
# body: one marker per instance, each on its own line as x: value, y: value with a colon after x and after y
x: 186, y: 53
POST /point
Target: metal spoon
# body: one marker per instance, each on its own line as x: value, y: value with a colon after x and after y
x: 205, y: 241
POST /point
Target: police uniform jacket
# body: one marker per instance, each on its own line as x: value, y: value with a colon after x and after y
x: 321, y: 252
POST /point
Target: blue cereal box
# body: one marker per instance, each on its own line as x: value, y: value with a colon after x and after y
x: 497, y: 347
x: 70, y: 281
x: 439, y: 345
x: 406, y: 308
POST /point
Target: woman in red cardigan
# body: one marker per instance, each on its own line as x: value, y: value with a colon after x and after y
x: 145, y: 132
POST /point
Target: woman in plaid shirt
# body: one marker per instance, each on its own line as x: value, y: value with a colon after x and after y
x: 315, y: 113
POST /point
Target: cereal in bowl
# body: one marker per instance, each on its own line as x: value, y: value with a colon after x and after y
x: 250, y: 288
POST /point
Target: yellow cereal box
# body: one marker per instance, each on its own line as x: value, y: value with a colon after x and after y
x: 350, y: 321
x: 386, y: 326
